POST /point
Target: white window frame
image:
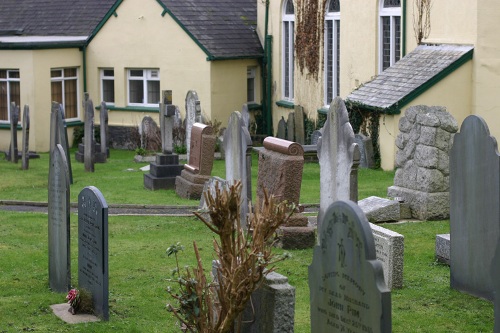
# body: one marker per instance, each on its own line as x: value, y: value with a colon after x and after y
x: 148, y: 74
x: 334, y: 17
x: 8, y: 80
x: 105, y: 77
x: 392, y: 13
x: 288, y: 64
x: 63, y: 78
x: 251, y: 75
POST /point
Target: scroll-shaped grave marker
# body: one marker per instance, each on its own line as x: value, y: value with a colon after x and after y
x: 93, y: 272
x: 195, y: 174
x: 26, y: 138
x: 335, y: 153
x: 346, y: 282
x: 193, y: 110
x: 14, y: 119
x: 58, y: 216
x: 475, y: 209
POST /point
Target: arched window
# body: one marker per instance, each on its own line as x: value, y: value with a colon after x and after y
x: 390, y: 33
x: 288, y: 57
x: 332, y: 51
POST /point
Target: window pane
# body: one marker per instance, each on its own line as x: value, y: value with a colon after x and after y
x: 56, y: 73
x: 70, y: 72
x: 109, y: 72
x: 3, y: 74
x: 15, y: 92
x: 337, y: 78
x: 397, y: 38
x: 136, y: 91
x: 386, y: 42
x: 289, y: 7
x: 56, y: 88
x: 153, y: 92
x: 4, y: 111
x: 392, y: 3
x: 334, y: 6
x: 108, y: 91
x: 250, y: 89
x: 136, y: 72
x: 287, y: 58
x: 70, y: 99
x: 14, y: 74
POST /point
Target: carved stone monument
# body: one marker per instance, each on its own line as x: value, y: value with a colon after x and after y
x: 93, y: 274
x: 192, y: 179
x: 193, y: 111
x: 474, y: 208
x: 59, y: 227
x: 346, y: 281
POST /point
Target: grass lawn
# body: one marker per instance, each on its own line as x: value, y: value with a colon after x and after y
x: 139, y: 266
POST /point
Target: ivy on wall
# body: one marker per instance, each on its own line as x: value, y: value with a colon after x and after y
x: 309, y: 15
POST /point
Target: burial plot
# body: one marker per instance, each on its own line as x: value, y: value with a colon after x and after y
x: 193, y: 110
x: 197, y: 172
x: 93, y: 272
x: 336, y: 150
x: 280, y: 173
x: 26, y: 138
x: 475, y: 208
x: 346, y: 282
x: 166, y: 168
x: 59, y: 227
x: 13, y: 155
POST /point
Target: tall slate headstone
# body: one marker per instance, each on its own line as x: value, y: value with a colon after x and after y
x: 59, y: 227
x: 14, y: 119
x: 474, y: 208
x: 335, y: 153
x: 26, y: 138
x: 103, y: 129
x: 290, y: 127
x: 89, y: 152
x: 346, y: 281
x: 299, y: 124
x: 281, y: 134
x: 192, y: 104
x: 62, y: 138
x: 93, y: 274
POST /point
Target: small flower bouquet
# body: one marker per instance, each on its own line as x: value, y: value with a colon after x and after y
x: 80, y: 301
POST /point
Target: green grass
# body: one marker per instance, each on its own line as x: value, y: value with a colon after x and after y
x: 139, y: 267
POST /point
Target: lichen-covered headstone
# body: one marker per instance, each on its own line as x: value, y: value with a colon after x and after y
x: 192, y: 104
x: 89, y: 152
x: 93, y: 274
x: 474, y: 208
x: 346, y: 281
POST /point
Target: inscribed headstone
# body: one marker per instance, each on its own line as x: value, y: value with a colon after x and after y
x: 59, y: 227
x: 346, y: 281
x: 88, y: 156
x: 26, y: 137
x: 335, y: 153
x: 299, y: 124
x: 104, y: 128
x: 281, y: 134
x: 93, y: 272
x: 192, y: 102
x: 14, y: 119
x: 474, y: 208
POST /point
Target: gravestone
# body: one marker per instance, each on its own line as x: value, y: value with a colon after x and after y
x: 422, y: 161
x: 197, y: 172
x: 245, y: 115
x: 236, y: 143
x: 495, y: 271
x: 102, y: 155
x: 211, y: 187
x: 474, y: 208
x: 281, y: 134
x: 366, y: 150
x: 379, y: 210
x: 150, y: 139
x: 315, y: 137
x: 281, y: 164
x: 14, y: 119
x: 93, y: 274
x: 89, y: 150
x: 62, y: 138
x: 346, y: 281
x: 389, y: 250
x: 442, y: 248
x: 299, y: 124
x: 290, y: 127
x: 336, y: 150
x: 26, y: 138
x: 192, y: 109
x: 59, y: 222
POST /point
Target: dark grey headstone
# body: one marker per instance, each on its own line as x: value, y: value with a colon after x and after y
x: 104, y: 128
x: 299, y: 125
x: 315, y: 137
x: 474, y: 208
x: 59, y: 227
x: 14, y: 119
x: 366, y: 150
x: 346, y: 281
x: 26, y: 138
x: 89, y: 153
x: 281, y: 129
x: 93, y: 272
x: 290, y: 127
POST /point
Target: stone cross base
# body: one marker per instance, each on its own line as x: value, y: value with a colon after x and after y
x: 189, y: 185
x: 423, y: 205
x: 163, y: 172
x: 99, y: 157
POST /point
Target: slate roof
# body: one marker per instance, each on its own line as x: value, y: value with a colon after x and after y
x: 223, y: 28
x: 410, y: 76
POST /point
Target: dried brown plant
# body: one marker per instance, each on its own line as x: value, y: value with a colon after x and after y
x: 422, y: 19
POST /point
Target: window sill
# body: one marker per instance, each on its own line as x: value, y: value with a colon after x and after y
x: 130, y: 108
x: 6, y: 126
x: 285, y: 104
x: 254, y: 106
x: 324, y: 110
x: 74, y: 123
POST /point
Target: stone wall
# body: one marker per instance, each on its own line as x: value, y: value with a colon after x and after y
x: 422, y: 161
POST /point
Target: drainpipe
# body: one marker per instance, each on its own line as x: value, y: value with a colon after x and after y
x: 266, y: 74
x: 403, y: 12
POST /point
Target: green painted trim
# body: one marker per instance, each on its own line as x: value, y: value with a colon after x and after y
x: 403, y: 41
x: 254, y: 106
x: 130, y: 108
x: 6, y: 126
x: 42, y: 46
x: 164, y: 13
x: 285, y: 104
x: 215, y: 58
x: 323, y: 111
x: 111, y: 12
x: 74, y: 123
x: 197, y: 42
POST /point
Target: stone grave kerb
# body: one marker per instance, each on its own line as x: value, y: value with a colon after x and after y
x: 191, y: 106
x: 335, y: 153
x: 346, y: 281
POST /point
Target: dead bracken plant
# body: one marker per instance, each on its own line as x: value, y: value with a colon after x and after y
x: 244, y: 258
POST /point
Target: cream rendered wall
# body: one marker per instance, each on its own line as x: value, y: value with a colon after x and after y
x: 35, y: 66
x: 139, y: 37
x: 229, y: 87
x: 453, y: 92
